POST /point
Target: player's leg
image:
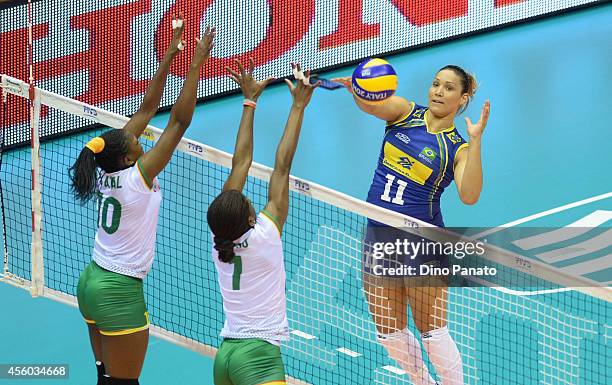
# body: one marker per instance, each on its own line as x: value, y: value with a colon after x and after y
x: 221, y: 365
x: 124, y: 356
x: 428, y: 303
x: 96, y: 345
x: 117, y: 305
x: 387, y: 303
x: 94, y: 333
x: 388, y: 306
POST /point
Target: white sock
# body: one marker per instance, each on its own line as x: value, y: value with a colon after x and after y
x: 405, y: 349
x: 444, y: 356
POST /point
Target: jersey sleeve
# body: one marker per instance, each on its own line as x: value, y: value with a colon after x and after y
x: 267, y: 228
x: 402, y: 118
x: 267, y: 239
x: 137, y: 179
x: 456, y: 144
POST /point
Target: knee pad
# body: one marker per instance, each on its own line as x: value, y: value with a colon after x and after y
x: 101, y: 371
x: 121, y: 381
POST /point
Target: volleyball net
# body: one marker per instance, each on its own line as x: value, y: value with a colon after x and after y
x: 530, y: 324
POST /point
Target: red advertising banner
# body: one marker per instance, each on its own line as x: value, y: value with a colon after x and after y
x: 104, y: 53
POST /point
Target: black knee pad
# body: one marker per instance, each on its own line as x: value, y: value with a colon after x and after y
x: 121, y: 381
x: 101, y: 371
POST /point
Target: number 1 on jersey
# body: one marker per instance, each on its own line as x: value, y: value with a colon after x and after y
x: 237, y: 261
x: 401, y: 186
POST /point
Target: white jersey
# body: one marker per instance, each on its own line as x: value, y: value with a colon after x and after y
x: 253, y: 286
x: 127, y: 222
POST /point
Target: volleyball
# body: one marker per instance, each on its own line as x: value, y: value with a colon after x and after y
x: 374, y: 80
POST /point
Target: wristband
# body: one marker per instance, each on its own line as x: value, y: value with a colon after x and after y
x: 249, y: 103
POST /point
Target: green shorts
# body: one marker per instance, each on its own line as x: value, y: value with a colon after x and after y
x: 113, y: 302
x: 248, y: 362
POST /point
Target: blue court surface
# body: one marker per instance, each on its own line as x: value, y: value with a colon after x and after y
x: 547, y: 145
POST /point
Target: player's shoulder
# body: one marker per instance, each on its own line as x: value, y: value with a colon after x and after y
x: 267, y: 226
x: 454, y: 137
x: 413, y: 117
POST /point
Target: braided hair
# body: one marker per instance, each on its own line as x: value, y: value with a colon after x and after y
x: 228, y: 219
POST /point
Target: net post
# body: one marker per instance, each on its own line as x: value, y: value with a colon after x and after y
x: 5, y: 269
x: 37, y: 265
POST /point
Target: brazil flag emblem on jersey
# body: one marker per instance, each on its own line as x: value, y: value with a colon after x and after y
x: 428, y: 154
x: 404, y: 164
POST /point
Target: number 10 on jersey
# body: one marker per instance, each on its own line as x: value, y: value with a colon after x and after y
x: 110, y: 225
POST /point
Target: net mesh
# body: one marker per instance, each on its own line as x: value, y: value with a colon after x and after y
x: 503, y: 336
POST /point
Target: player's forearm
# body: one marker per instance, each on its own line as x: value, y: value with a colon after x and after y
x: 155, y: 90
x: 182, y: 111
x: 471, y: 181
x: 288, y: 144
x: 387, y: 110
x: 243, y: 152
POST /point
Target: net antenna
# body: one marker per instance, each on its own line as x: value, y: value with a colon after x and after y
x: 5, y: 268
x: 38, y: 280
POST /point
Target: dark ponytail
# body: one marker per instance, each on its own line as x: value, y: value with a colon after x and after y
x: 110, y: 150
x: 228, y: 219
x: 225, y: 247
x: 84, y: 175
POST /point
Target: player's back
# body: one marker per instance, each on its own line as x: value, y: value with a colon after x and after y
x: 253, y: 285
x: 127, y: 222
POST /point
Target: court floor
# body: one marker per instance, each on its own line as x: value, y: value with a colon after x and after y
x: 547, y: 145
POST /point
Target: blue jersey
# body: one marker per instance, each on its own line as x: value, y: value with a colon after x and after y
x: 414, y: 167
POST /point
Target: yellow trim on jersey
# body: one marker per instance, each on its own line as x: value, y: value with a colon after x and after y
x: 145, y: 179
x: 438, y: 178
x: 404, y: 116
x: 128, y: 331
x: 89, y: 321
x: 404, y: 164
x: 437, y: 132
x: 464, y: 145
x: 441, y: 144
x: 271, y: 217
x: 274, y: 383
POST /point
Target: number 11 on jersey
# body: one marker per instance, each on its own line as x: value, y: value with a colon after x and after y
x: 401, y: 186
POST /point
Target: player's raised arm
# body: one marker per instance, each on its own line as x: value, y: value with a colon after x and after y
x: 243, y: 151
x: 156, y: 159
x: 278, y: 193
x: 388, y: 110
x: 372, y: 85
x: 139, y: 121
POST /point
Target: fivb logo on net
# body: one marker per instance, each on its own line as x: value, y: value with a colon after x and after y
x: 90, y: 112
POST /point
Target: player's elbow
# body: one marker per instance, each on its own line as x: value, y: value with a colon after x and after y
x: 282, y: 165
x: 241, y: 163
x: 179, y: 121
x: 469, y: 199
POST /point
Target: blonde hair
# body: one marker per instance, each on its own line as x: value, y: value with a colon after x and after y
x: 469, y: 84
